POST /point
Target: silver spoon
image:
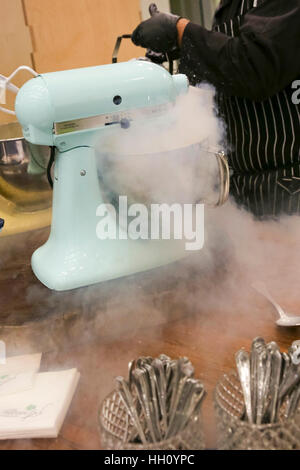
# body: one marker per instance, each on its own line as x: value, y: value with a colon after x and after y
x: 262, y: 384
x: 243, y: 366
x: 257, y: 348
x: 162, y: 390
x: 276, y: 362
x: 144, y: 393
x: 284, y: 318
x: 126, y: 398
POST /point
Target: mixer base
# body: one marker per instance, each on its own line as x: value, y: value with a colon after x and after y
x: 33, y: 318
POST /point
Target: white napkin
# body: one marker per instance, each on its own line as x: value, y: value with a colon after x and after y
x: 38, y: 412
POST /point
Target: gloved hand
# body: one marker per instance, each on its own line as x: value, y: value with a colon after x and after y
x: 159, y: 33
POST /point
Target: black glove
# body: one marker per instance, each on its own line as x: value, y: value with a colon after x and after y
x: 159, y: 33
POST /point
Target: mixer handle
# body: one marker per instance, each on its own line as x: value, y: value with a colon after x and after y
x: 152, y: 10
x: 117, y: 47
x: 155, y: 57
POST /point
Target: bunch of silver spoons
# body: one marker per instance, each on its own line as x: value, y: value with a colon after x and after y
x: 161, y: 396
x: 270, y: 381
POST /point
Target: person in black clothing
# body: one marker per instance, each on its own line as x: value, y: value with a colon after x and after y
x: 251, y: 56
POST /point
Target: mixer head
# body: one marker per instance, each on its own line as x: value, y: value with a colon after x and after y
x: 67, y: 109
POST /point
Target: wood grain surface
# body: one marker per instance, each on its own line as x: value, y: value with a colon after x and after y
x: 15, y: 49
x: 68, y: 34
x: 51, y: 35
x: 101, y: 328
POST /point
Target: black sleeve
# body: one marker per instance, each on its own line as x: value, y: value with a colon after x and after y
x: 260, y: 61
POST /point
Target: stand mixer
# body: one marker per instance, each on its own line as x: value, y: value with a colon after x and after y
x: 72, y: 111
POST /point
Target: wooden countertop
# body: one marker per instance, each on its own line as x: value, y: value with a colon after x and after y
x: 172, y: 310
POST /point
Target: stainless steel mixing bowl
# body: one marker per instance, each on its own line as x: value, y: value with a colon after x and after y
x: 23, y: 166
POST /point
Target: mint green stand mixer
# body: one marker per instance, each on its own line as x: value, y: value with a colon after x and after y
x: 72, y: 111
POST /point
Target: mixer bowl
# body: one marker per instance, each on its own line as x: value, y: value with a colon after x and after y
x: 171, y: 158
x: 25, y: 194
x: 187, y: 175
x: 23, y: 168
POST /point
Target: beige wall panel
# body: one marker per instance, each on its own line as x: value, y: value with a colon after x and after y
x: 12, y: 15
x: 15, y: 47
x: 79, y: 33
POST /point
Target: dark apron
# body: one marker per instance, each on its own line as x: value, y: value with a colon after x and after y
x: 264, y: 144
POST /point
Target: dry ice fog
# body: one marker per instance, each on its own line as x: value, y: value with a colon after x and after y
x: 173, y: 160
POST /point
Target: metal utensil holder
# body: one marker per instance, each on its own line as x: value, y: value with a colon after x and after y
x: 237, y: 434
x: 115, y: 426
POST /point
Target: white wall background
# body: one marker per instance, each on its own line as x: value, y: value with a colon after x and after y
x: 209, y: 7
x: 163, y: 5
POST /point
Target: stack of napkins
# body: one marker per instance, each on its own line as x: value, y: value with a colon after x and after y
x: 33, y: 404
